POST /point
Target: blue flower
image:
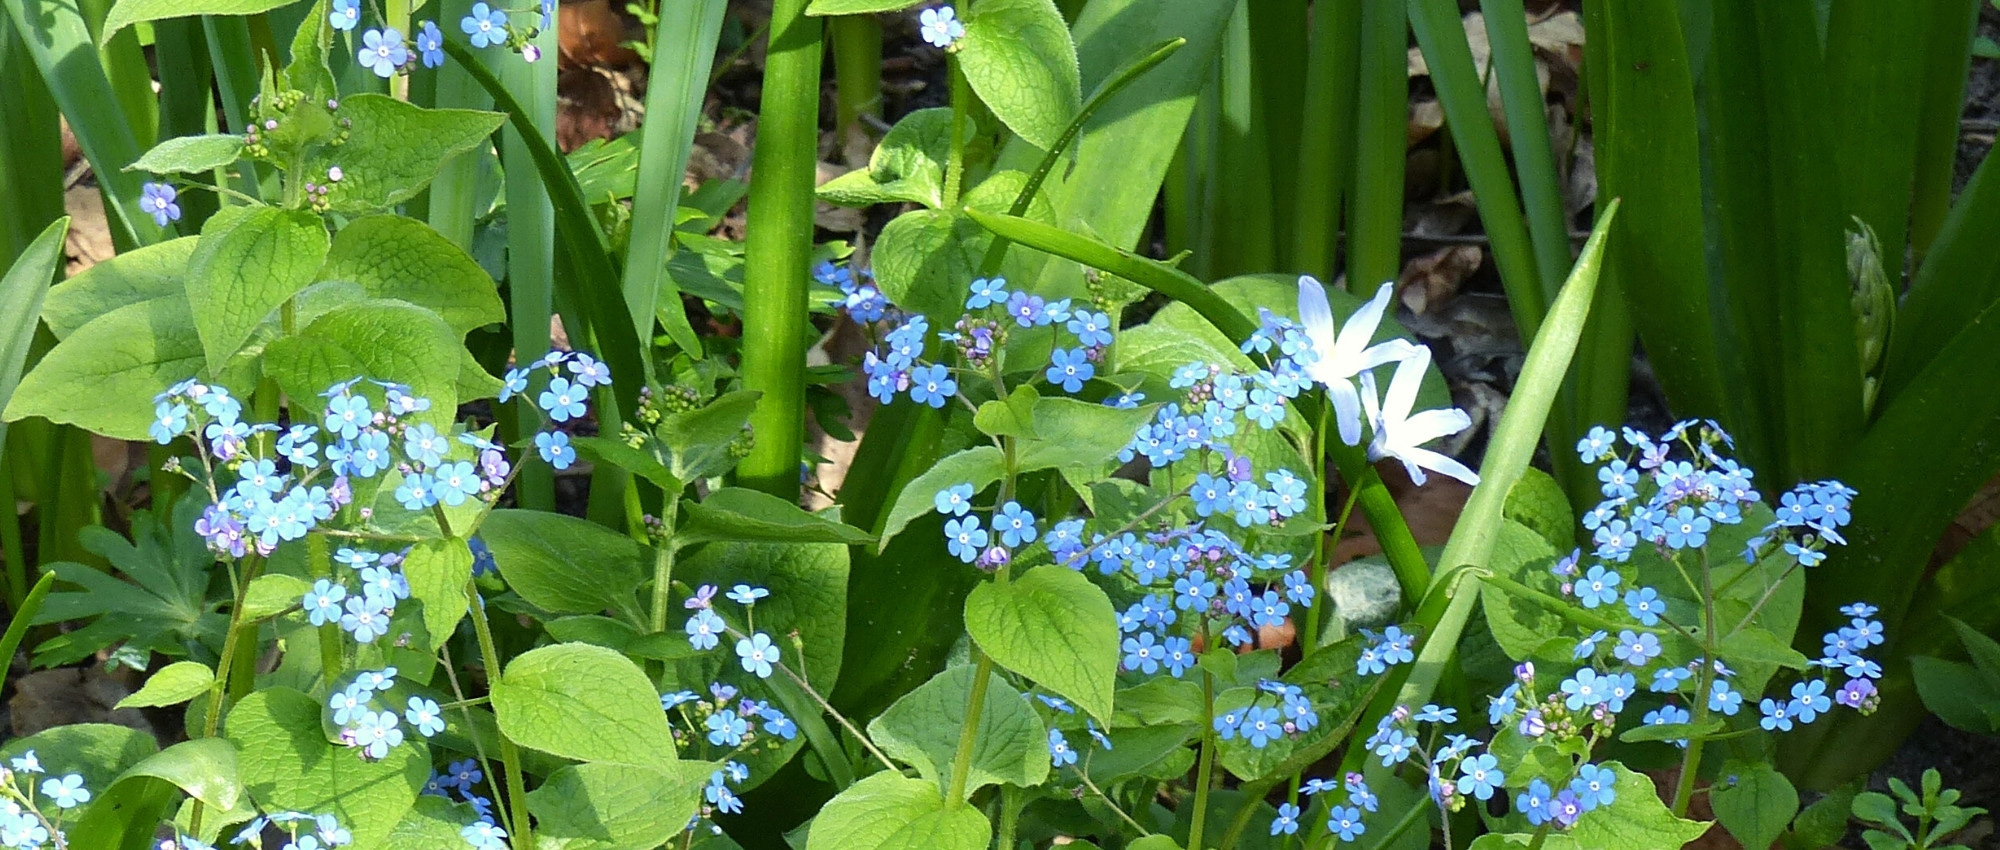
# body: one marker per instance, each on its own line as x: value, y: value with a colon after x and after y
x: 986, y: 292
x: 1027, y: 310
x: 322, y: 602
x: 932, y: 385
x: 1479, y: 775
x: 965, y: 538
x: 1345, y: 821
x: 425, y: 715
x: 1687, y: 529
x: 1015, y: 524
x: 954, y: 500
x: 345, y: 15
x: 1585, y: 688
x: 554, y: 448
x: 1142, y: 653
x: 345, y: 414
x: 364, y: 620
x: 703, y: 629
x: 1287, y: 821
x: 1432, y: 713
x: 1060, y: 752
x: 1596, y: 445
x: 940, y: 26
x: 377, y: 733
x: 1093, y: 330
x: 486, y: 26
x: 1395, y: 747
x: 1645, y: 605
x: 1599, y: 587
x: 1594, y: 786
x: 1588, y: 646
x: 548, y: 12
x: 1667, y: 715
x: 67, y: 792
x: 1636, y: 648
x: 170, y: 420
x: 563, y: 400
x: 417, y: 492
x: 1070, y: 368
x: 425, y: 445
x: 1722, y: 698
x: 1809, y: 700
x: 757, y: 654
x: 726, y: 729
x: 297, y: 445
x: 1807, y: 557
x: 1534, y: 802
x: 484, y: 836
x: 456, y: 482
x: 776, y: 723
x: 382, y: 51
x: 430, y: 44
x: 1179, y: 655
x: 1777, y: 716
x: 1261, y: 725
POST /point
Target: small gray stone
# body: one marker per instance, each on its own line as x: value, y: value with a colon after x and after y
x: 1364, y: 594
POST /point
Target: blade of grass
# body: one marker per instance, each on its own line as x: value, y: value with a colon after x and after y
x: 779, y: 248
x: 456, y: 190
x: 185, y: 106
x: 1445, y: 611
x: 1462, y: 93
x: 531, y: 273
x: 31, y: 189
x: 21, y: 290
x: 234, y: 67
x: 1875, y: 71
x: 1278, y: 48
x: 587, y: 260
x: 125, y: 66
x: 1326, y: 139
x: 1957, y: 281
x: 1647, y: 146
x: 23, y: 613
x: 682, y: 58
x: 1782, y: 252
x: 1947, y: 63
x: 63, y: 50
x: 1375, y: 212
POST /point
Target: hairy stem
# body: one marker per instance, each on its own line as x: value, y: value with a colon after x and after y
x: 1205, y: 770
x: 663, y: 561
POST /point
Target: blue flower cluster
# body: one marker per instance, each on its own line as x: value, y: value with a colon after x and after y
x: 374, y: 733
x: 992, y: 313
x: 860, y: 297
x: 1061, y: 753
x: 705, y: 629
x: 563, y: 398
x: 462, y: 778
x: 1289, y: 712
x: 723, y: 719
x: 1342, y: 821
x: 385, y: 52
x: 23, y: 823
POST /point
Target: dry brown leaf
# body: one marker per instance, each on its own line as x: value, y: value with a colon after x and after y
x: 590, y: 33
x: 89, y: 239
x: 1434, y: 278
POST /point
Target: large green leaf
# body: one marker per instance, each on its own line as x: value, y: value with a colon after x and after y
x: 99, y: 752
x: 287, y: 763
x: 244, y: 267
x: 393, y: 149
x: 737, y: 513
x: 1018, y: 56
x: 922, y: 730
x: 174, y: 684
x: 129, y: 12
x: 562, y: 564
x: 583, y: 702
x: 155, y: 271
x: 924, y: 259
x: 1637, y: 819
x: 1053, y: 626
x: 1755, y: 803
x: 392, y: 256
x: 379, y: 339
x: 431, y: 823
x: 127, y: 814
x: 888, y: 811
x: 616, y: 806
x: 437, y: 571
x: 979, y: 466
x: 907, y: 165
x: 808, y: 584
x: 189, y: 154
x: 125, y: 357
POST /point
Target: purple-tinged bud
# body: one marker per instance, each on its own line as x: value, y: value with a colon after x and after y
x: 1525, y: 671
x: 1532, y: 725
x: 993, y: 558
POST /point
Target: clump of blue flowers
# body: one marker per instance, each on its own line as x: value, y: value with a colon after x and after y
x: 722, y: 723
x: 34, y: 804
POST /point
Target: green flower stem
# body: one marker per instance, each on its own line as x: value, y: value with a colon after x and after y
x: 663, y: 561
x: 235, y: 669
x: 778, y: 250
x: 857, y: 69
x: 1320, y: 555
x: 1204, y: 772
x: 331, y: 656
x: 961, y: 760
x: 1084, y: 776
x: 1691, y: 761
x: 961, y: 100
x: 1010, y: 816
x: 517, y: 788
x: 465, y: 710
